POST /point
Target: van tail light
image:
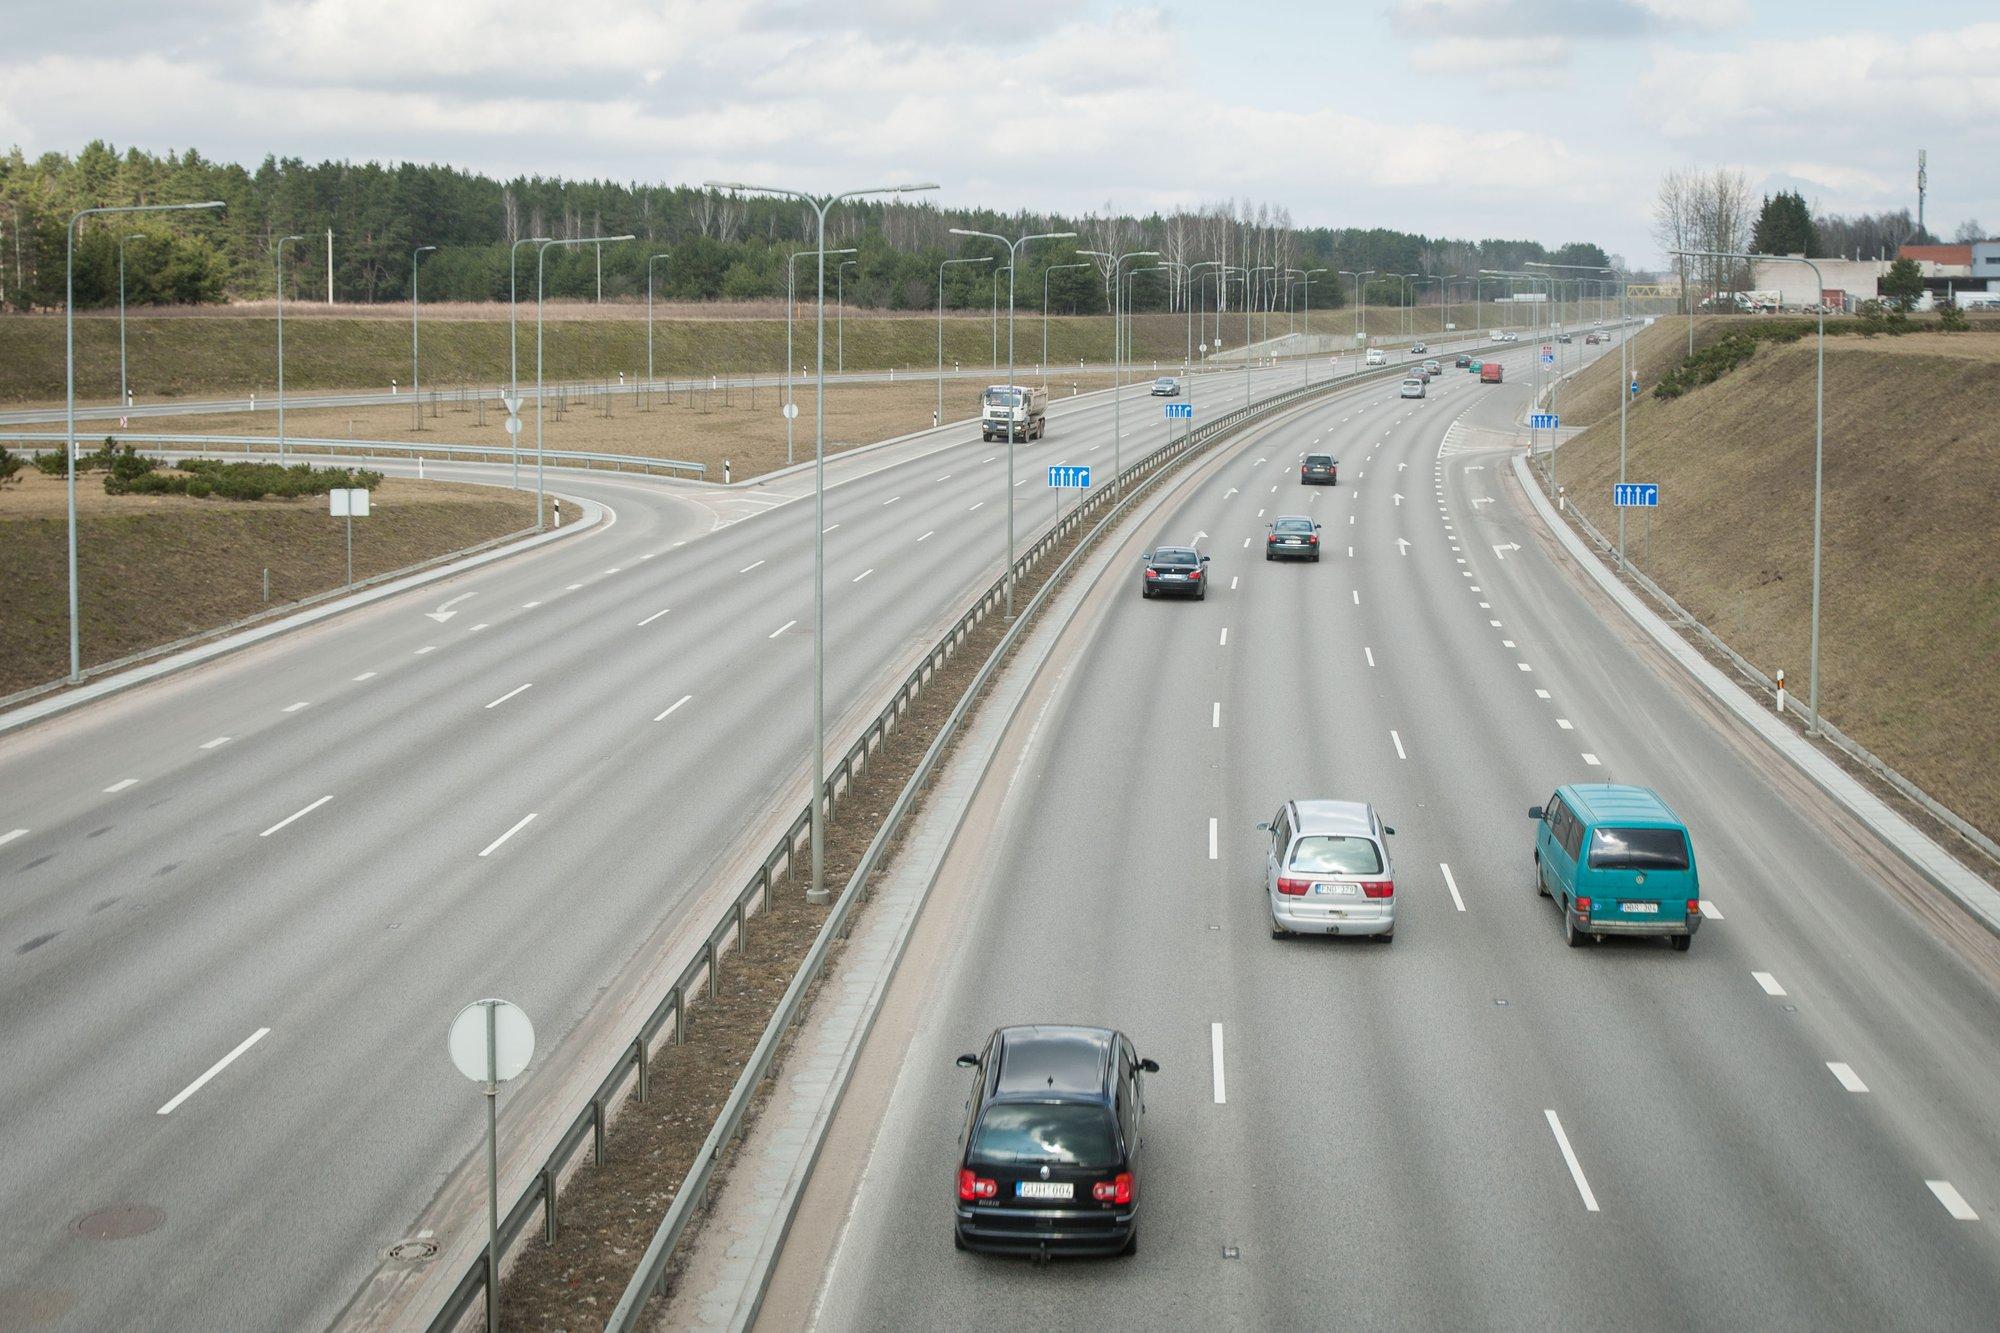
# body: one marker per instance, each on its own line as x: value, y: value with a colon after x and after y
x: 973, y: 1186
x: 1378, y: 888
x: 1294, y: 887
x: 1118, y: 1189
x: 1583, y: 906
x: 1694, y: 907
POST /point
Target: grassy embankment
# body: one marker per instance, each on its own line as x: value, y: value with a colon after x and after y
x: 1910, y: 610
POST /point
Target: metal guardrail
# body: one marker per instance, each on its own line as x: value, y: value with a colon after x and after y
x: 635, y: 1058
x: 367, y: 449
x: 1839, y: 739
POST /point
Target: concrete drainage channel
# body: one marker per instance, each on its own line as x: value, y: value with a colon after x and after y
x: 869, y: 770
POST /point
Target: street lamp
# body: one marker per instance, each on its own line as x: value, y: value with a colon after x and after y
x: 278, y: 260
x: 541, y: 258
x: 1243, y: 273
x: 937, y: 417
x: 514, y: 351
x: 791, y: 283
x: 1360, y: 313
x: 416, y: 390
x: 124, y: 392
x: 1045, y: 314
x: 650, y: 261
x: 840, y: 313
x: 69, y: 378
x: 1117, y: 363
x: 1017, y: 396
x: 820, y: 204
x: 1307, y: 278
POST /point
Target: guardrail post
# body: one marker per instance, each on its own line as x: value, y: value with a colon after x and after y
x: 680, y: 1017
x: 597, y: 1129
x: 549, y: 1204
x: 645, y: 1068
x: 708, y: 951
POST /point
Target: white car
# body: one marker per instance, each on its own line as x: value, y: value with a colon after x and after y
x: 1376, y: 357
x: 1413, y: 387
x: 1327, y: 870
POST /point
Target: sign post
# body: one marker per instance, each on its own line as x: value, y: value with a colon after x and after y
x: 1639, y: 495
x: 349, y: 503
x: 491, y: 1041
x: 513, y: 406
x: 1545, y: 421
x: 1067, y: 477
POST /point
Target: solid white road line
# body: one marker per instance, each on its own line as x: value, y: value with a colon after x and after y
x: 1215, y: 1059
x: 214, y: 1069
x: 120, y: 785
x: 492, y: 846
x: 367, y: 675
x: 1399, y: 745
x: 1768, y: 982
x: 862, y: 575
x: 1848, y: 1078
x: 10, y: 835
x: 219, y: 740
x: 1954, y: 1202
x: 672, y: 706
x: 747, y: 568
x: 655, y: 616
x: 510, y: 694
x: 1452, y: 884
x: 1212, y: 851
x: 1569, y: 1156
x: 296, y: 815
x: 781, y: 629
x: 1708, y: 910
x: 293, y: 708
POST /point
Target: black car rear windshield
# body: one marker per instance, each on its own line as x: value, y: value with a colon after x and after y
x: 1174, y: 558
x: 1034, y: 1133
x: 1293, y: 525
x: 1319, y: 460
x: 1638, y: 849
x: 1335, y: 855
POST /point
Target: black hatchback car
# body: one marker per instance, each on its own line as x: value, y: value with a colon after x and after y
x: 1048, y: 1159
x: 1463, y: 361
x: 1179, y: 570
x: 1319, y: 470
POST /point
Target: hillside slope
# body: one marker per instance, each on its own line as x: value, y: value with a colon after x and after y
x: 1910, y: 627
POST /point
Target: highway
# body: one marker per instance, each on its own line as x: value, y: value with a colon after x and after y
x: 244, y: 903
x: 1792, y: 1126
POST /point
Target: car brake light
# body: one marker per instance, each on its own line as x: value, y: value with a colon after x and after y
x: 1583, y: 906
x: 1116, y: 1190
x: 1270, y: 539
x: 1152, y: 573
x: 1694, y: 907
x: 973, y: 1186
x: 1294, y: 887
x: 1378, y: 888
x: 1314, y: 539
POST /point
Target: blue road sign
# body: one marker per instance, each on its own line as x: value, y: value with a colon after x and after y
x: 1070, y: 478
x: 1635, y: 495
x: 1544, y: 421
x: 1548, y: 358
x: 1181, y: 411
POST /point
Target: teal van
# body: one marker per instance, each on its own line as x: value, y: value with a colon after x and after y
x: 1618, y: 861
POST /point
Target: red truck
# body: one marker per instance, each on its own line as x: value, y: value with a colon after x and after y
x: 1489, y: 372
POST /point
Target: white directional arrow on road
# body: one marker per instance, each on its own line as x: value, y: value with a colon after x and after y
x: 1402, y: 546
x: 1198, y: 536
x: 1399, y: 499
x: 1231, y: 491
x: 1500, y: 552
x: 444, y: 611
x: 1482, y: 500
x: 1476, y: 467
x: 1401, y: 466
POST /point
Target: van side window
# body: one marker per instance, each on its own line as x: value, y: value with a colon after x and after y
x: 1572, y: 835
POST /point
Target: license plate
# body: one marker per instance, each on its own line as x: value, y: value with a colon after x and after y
x: 1173, y: 578
x: 1044, y: 1189
x: 1341, y: 890
x: 1641, y: 907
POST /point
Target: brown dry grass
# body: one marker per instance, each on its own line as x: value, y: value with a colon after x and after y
x: 1910, y: 630
x: 153, y: 569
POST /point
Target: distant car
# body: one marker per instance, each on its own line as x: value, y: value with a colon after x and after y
x: 1327, y: 870
x: 1179, y: 570
x: 1166, y: 386
x: 1596, y: 323
x: 1510, y: 337
x: 1463, y: 361
x: 1496, y: 336
x: 1490, y: 373
x: 1564, y: 338
x: 1591, y: 340
x: 1049, y: 1158
x: 1431, y: 367
x: 1319, y: 470
x: 1418, y: 373
x: 1413, y: 387
x: 1418, y: 349
x: 1377, y: 357
x: 1292, y: 538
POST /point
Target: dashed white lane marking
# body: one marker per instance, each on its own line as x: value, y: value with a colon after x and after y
x: 1541, y: 694
x: 1845, y: 1073
x: 672, y: 706
x: 614, y: 569
x: 476, y: 628
x: 510, y: 694
x: 1954, y: 1202
x: 529, y: 606
x: 976, y: 506
x: 1260, y: 513
x: 493, y: 846
x: 1224, y: 641
x: 1569, y: 1157
x: 12, y: 834
x: 747, y: 568
x: 928, y: 535
x: 1524, y: 666
x: 1215, y: 715
x: 297, y: 814
x: 655, y: 616
x: 1592, y: 760
x: 218, y: 741
x: 1565, y: 724
x: 1507, y: 643
x: 366, y: 675
x: 574, y: 586
x: 1232, y: 582
x: 1212, y: 850
x: 829, y: 527
x: 891, y: 500
x: 1369, y: 653
x: 1768, y: 982
x: 293, y: 708
x: 1399, y: 744
x: 862, y: 575
x: 1246, y: 542
x: 989, y: 458
x: 1215, y: 1059
x: 120, y: 785
x: 214, y: 1069
x: 781, y: 629
x: 1452, y: 884
x: 427, y: 648
x: 1708, y: 910
x: 1357, y: 596
x: 1022, y: 482
x: 1494, y: 623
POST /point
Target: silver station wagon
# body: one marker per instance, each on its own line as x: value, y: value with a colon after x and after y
x: 1327, y: 870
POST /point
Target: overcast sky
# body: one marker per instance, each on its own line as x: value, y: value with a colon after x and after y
x: 1543, y: 119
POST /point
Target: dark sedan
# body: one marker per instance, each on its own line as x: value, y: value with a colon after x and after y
x: 1319, y: 470
x: 1463, y: 361
x: 1292, y: 538
x: 1048, y: 1160
x: 1178, y: 570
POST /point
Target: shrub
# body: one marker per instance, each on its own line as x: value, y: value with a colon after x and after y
x: 53, y: 462
x: 10, y: 467
x: 1708, y: 365
x: 1951, y: 319
x: 134, y: 474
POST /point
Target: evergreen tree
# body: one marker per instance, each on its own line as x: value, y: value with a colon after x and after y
x: 1785, y: 226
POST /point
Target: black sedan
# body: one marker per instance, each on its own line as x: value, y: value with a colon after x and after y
x: 1319, y: 470
x: 1292, y: 538
x: 1463, y: 361
x: 1048, y: 1161
x: 1180, y: 571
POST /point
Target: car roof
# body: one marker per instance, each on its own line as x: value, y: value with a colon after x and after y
x: 1611, y: 802
x: 1350, y: 817
x: 1048, y: 1060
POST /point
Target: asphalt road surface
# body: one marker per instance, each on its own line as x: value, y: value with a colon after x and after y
x: 1792, y: 1126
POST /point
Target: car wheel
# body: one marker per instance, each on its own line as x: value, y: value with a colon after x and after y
x: 1131, y: 1245
x: 1278, y: 932
x: 1387, y: 937
x: 1202, y: 596
x: 1269, y: 556
x: 1315, y: 557
x: 1146, y: 593
x: 1682, y: 943
x: 1573, y: 937
x: 957, y: 1241
x: 1541, y: 886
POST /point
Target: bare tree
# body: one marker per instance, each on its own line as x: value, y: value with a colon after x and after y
x: 1673, y: 209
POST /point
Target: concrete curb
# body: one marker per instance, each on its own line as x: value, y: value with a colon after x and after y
x: 1968, y: 890
x: 52, y: 704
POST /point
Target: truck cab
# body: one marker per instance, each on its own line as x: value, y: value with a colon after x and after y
x: 1015, y: 410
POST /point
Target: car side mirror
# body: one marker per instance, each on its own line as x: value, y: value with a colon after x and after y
x: 1204, y: 560
x: 1150, y: 1066
x: 1318, y: 526
x: 1264, y: 827
x: 968, y: 1061
x: 1388, y: 831
x: 1535, y: 813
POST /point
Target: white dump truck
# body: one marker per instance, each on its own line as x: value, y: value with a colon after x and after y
x: 1025, y: 408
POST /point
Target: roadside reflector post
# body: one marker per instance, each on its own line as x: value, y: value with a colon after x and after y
x: 1781, y: 692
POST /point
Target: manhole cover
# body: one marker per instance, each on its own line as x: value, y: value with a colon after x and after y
x: 414, y: 1250
x: 119, y: 1223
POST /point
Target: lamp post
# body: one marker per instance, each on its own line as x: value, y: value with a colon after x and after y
x: 790, y: 286
x: 69, y: 379
x: 1117, y: 362
x: 1017, y: 396
x: 541, y: 264
x: 124, y: 392
x: 1045, y: 315
x: 1180, y: 280
x: 1360, y: 313
x: 980, y: 259
x: 277, y: 259
x: 514, y: 348
x: 1245, y: 274
x: 650, y: 261
x: 1307, y: 278
x: 820, y: 204
x: 416, y: 388
x: 840, y: 315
